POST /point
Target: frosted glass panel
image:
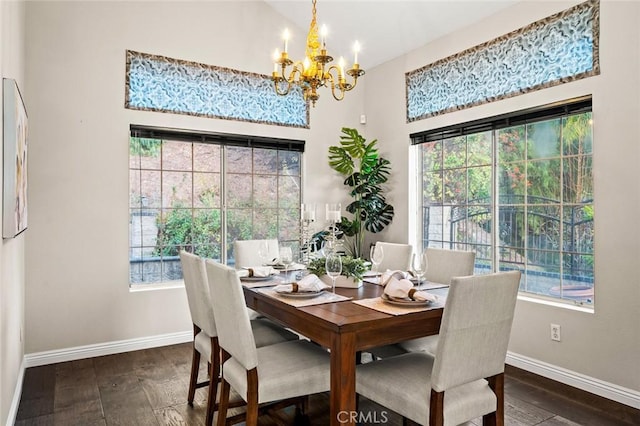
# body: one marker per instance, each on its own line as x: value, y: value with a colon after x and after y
x: 555, y: 50
x: 158, y: 83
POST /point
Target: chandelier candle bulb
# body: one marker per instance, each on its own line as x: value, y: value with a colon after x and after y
x: 285, y: 36
x: 356, y: 50
x: 323, y: 34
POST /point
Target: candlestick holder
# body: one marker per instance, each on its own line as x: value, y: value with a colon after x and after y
x: 333, y: 216
x: 307, y: 217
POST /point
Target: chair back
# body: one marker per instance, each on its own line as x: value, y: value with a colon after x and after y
x: 446, y: 264
x: 197, y: 287
x: 234, y: 329
x: 394, y: 256
x: 246, y: 252
x: 475, y: 329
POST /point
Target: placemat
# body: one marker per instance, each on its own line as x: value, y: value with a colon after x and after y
x: 378, y: 304
x: 325, y: 297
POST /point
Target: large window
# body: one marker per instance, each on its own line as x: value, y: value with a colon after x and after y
x: 201, y: 192
x: 518, y: 190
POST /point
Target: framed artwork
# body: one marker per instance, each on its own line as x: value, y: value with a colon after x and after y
x: 14, y: 194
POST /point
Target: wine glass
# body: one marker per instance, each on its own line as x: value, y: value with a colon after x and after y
x: 286, y: 258
x: 376, y: 256
x: 419, y: 265
x: 263, y: 251
x: 333, y: 267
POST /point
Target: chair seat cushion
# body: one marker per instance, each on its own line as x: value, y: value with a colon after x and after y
x: 267, y: 333
x: 427, y: 344
x: 202, y: 343
x: 285, y: 370
x: 403, y: 385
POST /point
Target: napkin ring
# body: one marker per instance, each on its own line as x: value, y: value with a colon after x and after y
x: 412, y: 291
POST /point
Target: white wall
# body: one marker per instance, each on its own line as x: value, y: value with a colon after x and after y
x: 77, y: 246
x: 12, y: 251
x: 604, y: 345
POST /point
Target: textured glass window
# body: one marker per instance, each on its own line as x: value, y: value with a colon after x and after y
x: 158, y: 83
x: 555, y: 50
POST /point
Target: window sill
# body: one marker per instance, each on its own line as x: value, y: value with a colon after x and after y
x: 167, y: 285
x: 557, y: 304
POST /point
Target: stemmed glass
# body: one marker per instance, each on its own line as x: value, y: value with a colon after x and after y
x: 376, y: 256
x: 333, y: 267
x: 263, y: 251
x: 419, y: 265
x: 286, y: 258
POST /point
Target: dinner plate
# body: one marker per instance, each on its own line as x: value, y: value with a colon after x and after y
x: 301, y: 294
x: 403, y: 302
x: 252, y: 279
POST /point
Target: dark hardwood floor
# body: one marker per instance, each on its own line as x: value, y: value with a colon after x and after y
x: 149, y: 387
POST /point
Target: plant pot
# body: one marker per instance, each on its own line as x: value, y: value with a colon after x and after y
x: 342, y: 281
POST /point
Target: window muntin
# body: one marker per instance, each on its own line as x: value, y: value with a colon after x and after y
x: 540, y: 201
x: 190, y: 195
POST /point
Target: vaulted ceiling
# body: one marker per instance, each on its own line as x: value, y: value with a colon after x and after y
x: 385, y: 28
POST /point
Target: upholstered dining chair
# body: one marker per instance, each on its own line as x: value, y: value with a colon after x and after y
x: 283, y: 371
x: 443, y: 266
x: 247, y: 252
x: 205, y: 334
x: 395, y: 256
x: 465, y: 379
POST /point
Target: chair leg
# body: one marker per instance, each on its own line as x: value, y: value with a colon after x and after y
x: 436, y: 409
x: 496, y: 383
x: 214, y: 374
x: 225, y: 388
x: 195, y: 365
x: 252, y: 397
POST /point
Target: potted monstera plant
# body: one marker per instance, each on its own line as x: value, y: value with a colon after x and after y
x: 365, y: 173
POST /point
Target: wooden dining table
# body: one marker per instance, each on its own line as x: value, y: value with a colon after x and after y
x: 346, y: 328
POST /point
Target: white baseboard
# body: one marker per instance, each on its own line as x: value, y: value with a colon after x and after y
x: 589, y: 384
x: 15, y: 402
x: 107, y: 348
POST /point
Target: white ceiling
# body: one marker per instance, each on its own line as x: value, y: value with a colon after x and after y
x: 385, y: 28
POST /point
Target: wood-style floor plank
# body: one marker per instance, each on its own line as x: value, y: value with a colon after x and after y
x: 149, y: 387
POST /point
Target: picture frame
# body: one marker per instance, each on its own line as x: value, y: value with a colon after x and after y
x: 14, y: 194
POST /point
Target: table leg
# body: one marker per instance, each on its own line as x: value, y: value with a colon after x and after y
x: 343, y: 379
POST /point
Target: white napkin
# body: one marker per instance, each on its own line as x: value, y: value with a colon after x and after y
x: 388, y: 274
x: 257, y: 271
x: 403, y: 288
x: 309, y: 283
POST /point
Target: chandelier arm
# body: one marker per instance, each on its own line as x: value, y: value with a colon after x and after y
x: 276, y: 83
x: 340, y: 84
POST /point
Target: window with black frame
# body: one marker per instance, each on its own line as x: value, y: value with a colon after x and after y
x: 202, y: 191
x: 518, y: 190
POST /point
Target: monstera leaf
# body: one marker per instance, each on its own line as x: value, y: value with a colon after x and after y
x: 365, y: 172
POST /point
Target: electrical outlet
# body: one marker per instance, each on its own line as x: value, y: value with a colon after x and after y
x: 555, y: 332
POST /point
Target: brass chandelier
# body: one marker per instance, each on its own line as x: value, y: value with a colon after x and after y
x: 312, y: 72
